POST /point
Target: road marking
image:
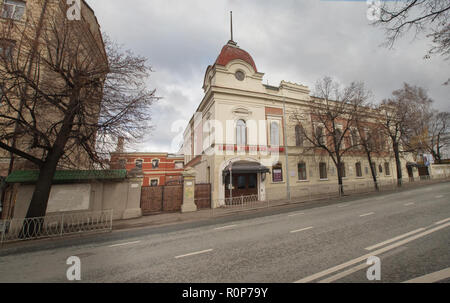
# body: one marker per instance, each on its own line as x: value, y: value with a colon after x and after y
x: 431, y: 278
x: 122, y: 244
x: 296, y: 214
x: 344, y: 273
x: 359, y: 267
x: 225, y: 227
x: 409, y: 204
x: 442, y: 221
x: 193, y: 253
x: 368, y: 214
x: 440, y: 196
x: 303, y: 229
x: 395, y: 239
x: 345, y: 205
x: 366, y: 256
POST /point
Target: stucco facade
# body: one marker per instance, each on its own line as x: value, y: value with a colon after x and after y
x: 235, y: 95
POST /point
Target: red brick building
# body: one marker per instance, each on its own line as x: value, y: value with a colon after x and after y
x: 158, y: 168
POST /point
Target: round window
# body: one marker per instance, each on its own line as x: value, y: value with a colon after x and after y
x: 240, y: 75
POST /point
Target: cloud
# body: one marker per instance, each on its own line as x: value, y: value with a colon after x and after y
x: 297, y: 41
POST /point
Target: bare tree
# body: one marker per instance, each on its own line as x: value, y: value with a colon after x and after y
x: 333, y: 114
x: 401, y: 115
x: 369, y: 139
x: 65, y: 99
x: 431, y: 135
x: 430, y: 17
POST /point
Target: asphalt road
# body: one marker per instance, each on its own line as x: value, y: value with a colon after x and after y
x: 408, y: 231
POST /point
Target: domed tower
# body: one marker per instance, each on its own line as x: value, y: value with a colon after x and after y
x: 233, y: 68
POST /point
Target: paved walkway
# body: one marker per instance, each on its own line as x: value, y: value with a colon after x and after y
x: 206, y: 214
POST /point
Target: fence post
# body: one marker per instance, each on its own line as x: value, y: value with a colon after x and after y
x: 62, y: 225
x: 242, y: 201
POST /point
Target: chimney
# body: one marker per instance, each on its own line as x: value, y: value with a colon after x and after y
x: 120, y: 142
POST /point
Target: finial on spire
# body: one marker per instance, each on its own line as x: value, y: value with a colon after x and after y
x: 231, y: 27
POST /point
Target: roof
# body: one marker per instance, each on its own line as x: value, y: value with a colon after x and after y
x: 61, y: 176
x: 230, y: 52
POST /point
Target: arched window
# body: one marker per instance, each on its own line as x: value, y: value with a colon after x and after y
x: 274, y: 134
x: 241, y: 133
x: 299, y: 135
x: 354, y: 136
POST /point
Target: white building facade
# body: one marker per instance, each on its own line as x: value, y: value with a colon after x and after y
x: 243, y: 128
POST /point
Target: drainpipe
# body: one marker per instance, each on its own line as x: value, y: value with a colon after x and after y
x: 288, y: 187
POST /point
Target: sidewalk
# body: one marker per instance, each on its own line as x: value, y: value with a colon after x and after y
x: 209, y: 214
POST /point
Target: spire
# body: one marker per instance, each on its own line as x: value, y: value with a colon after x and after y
x: 231, y: 27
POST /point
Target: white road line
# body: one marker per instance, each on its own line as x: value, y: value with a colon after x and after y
x: 345, y: 205
x: 225, y: 227
x: 440, y: 196
x: 303, y: 229
x: 296, y: 214
x: 442, y: 221
x: 122, y: 244
x: 409, y: 204
x: 368, y: 214
x: 394, y: 239
x: 431, y: 278
x: 344, y: 273
x: 194, y: 253
x: 364, y: 257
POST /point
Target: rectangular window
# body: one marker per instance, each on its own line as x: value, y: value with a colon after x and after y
x: 302, y: 171
x: 274, y: 134
x: 179, y: 165
x: 323, y: 170
x: 387, y: 169
x: 358, y: 169
x: 252, y: 181
x: 277, y: 173
x: 154, y: 182
x: 13, y: 9
x: 138, y: 163
x: 241, y: 182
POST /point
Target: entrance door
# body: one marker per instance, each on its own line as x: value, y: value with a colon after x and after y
x: 243, y: 185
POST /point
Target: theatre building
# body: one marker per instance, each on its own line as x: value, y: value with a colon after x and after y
x: 242, y: 129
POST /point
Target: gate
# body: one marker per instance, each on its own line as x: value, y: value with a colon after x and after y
x: 155, y: 199
x: 203, y: 195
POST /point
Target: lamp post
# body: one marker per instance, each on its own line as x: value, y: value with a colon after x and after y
x: 231, y: 182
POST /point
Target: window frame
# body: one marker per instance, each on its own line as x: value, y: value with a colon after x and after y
x: 358, y: 169
x: 14, y: 5
x: 157, y: 165
x: 323, y: 164
x: 305, y: 174
x: 136, y: 163
x: 241, y: 131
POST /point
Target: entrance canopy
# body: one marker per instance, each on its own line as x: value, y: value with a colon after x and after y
x: 244, y: 167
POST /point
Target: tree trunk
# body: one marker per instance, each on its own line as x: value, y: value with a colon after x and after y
x: 373, y: 171
x: 39, y: 200
x: 339, y: 173
x: 398, y: 164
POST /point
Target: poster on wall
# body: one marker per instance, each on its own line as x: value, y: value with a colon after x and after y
x: 277, y: 175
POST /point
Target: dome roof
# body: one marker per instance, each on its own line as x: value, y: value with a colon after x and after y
x: 231, y: 52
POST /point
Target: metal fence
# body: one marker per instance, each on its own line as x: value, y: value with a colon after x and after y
x: 55, y: 225
x: 306, y: 193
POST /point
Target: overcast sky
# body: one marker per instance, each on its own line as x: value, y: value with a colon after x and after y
x: 292, y: 40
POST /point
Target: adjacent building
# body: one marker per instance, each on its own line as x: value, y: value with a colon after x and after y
x: 157, y: 168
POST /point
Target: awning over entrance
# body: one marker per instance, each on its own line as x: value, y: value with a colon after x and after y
x: 412, y: 164
x: 245, y: 167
